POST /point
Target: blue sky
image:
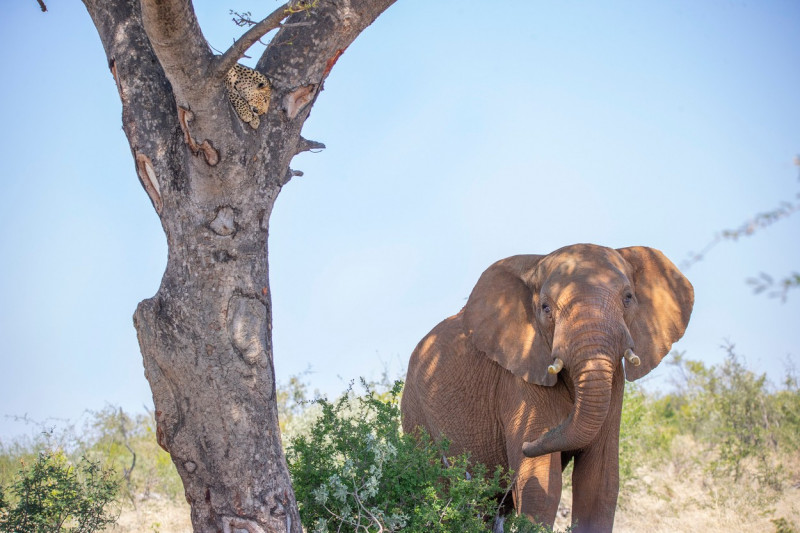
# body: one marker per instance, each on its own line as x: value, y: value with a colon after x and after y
x: 458, y: 133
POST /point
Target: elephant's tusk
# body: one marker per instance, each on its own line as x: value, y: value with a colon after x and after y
x: 632, y: 357
x: 556, y: 367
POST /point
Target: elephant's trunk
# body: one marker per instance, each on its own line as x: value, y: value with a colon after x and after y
x: 592, y: 384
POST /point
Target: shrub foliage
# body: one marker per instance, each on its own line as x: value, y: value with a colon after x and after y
x: 353, y: 469
x: 53, y: 495
x: 739, y: 422
x: 356, y: 471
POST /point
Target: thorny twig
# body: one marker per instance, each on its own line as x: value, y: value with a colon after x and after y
x: 242, y: 19
x: 505, y: 495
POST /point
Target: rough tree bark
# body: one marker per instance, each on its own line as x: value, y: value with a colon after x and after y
x: 206, y: 335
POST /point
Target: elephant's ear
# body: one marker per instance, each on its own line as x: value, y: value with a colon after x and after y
x: 665, y: 300
x: 499, y: 319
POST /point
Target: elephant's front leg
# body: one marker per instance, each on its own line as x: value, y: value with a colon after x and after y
x: 595, y: 484
x: 537, y: 487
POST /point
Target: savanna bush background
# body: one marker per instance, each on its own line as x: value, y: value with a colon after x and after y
x: 719, y: 452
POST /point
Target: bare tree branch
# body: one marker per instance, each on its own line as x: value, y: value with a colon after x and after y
x: 42, y: 6
x: 225, y: 62
x: 305, y: 145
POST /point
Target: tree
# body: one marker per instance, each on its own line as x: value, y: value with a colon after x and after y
x: 213, y: 179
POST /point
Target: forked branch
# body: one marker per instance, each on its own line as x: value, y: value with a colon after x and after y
x: 226, y: 61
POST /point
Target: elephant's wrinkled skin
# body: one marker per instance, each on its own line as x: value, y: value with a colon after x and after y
x: 481, y: 377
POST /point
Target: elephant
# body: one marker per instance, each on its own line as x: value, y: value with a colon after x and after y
x: 530, y: 375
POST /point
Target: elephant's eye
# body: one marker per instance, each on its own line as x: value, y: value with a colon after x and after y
x: 628, y: 299
x: 546, y: 309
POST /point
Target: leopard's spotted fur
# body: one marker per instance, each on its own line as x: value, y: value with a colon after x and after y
x: 249, y: 92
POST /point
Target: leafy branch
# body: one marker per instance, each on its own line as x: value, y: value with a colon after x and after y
x: 763, y: 282
x: 779, y: 289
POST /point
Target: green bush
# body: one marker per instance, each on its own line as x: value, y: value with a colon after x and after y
x: 648, y: 426
x: 357, y: 471
x: 737, y: 424
x: 121, y: 442
x: 52, y: 495
x: 731, y: 411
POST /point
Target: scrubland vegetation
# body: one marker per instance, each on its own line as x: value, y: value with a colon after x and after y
x: 719, y: 452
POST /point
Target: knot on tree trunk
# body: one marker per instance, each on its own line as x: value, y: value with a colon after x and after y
x: 247, y: 327
x: 224, y: 223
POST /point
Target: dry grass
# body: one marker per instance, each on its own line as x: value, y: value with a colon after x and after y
x: 154, y: 515
x: 669, y: 501
x: 678, y: 496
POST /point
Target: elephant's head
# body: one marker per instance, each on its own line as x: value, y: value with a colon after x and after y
x: 585, y: 308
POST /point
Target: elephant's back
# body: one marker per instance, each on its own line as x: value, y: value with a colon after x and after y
x: 451, y: 392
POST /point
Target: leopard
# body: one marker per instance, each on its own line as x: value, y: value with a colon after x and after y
x: 249, y: 92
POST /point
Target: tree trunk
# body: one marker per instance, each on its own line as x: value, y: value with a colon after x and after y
x: 206, y: 335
